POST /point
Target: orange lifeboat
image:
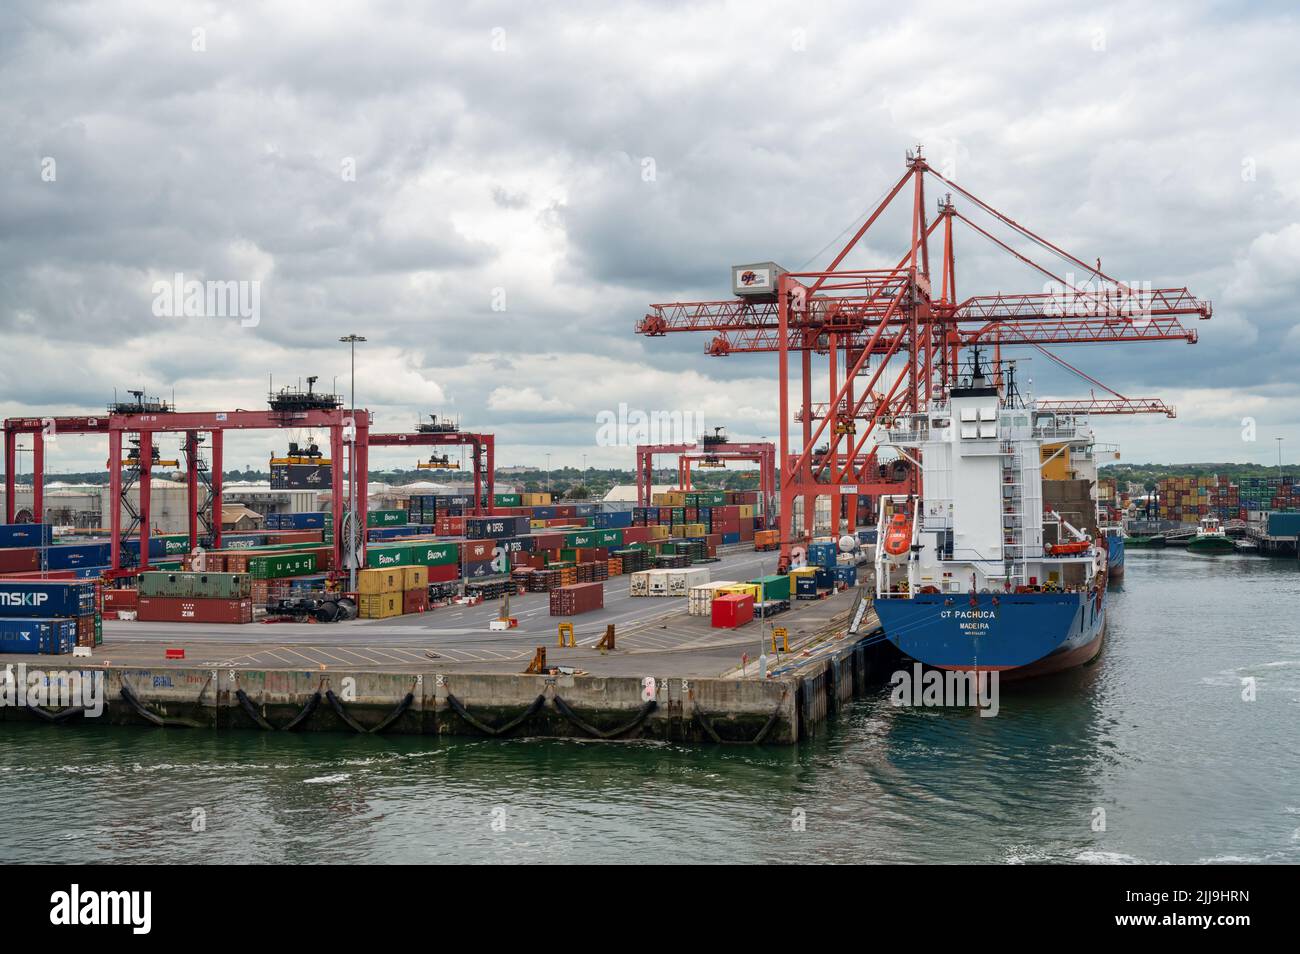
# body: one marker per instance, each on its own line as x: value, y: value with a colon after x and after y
x: 1069, y: 549
x: 898, y: 535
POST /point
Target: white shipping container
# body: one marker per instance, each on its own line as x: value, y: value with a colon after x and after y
x: 659, y: 582
x: 699, y: 602
x: 680, y: 581
x: 643, y: 583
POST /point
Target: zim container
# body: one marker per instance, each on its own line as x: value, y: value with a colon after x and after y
x: 170, y: 609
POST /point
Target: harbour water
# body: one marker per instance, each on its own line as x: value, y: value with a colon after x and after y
x: 1156, y: 735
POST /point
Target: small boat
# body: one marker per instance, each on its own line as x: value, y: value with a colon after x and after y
x: 1151, y: 542
x: 1210, y: 538
x: 898, y: 535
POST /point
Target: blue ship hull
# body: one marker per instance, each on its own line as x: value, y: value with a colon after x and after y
x: 1115, y: 556
x: 1019, y: 634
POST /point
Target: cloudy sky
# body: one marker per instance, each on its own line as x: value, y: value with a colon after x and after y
x: 492, y: 194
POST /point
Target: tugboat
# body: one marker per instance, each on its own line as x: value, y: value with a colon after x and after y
x: 975, y: 576
x: 1210, y: 538
x: 1153, y: 541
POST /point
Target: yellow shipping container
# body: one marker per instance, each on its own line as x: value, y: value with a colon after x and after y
x: 747, y: 510
x: 379, y: 606
x: 415, y: 577
x: 694, y: 530
x: 750, y: 589
x: 658, y: 533
x: 535, y: 500
x: 373, y: 582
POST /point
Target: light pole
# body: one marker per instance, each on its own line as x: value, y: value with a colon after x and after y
x: 351, y: 341
x: 548, y: 473
x: 1279, y: 456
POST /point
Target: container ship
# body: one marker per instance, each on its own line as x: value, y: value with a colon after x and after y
x: 979, y: 573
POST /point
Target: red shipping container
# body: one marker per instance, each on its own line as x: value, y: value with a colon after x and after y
x: 177, y: 609
x: 636, y: 535
x: 47, y: 575
x: 415, y: 601
x: 577, y: 598
x: 732, y: 609
x: 548, y: 541
x: 476, y: 551
x: 19, y: 560
x: 444, y: 574
x: 450, y: 526
x: 121, y: 599
x: 567, y: 510
x: 293, y: 536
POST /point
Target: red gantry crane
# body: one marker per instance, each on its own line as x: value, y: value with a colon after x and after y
x: 891, y: 339
x: 712, y: 450
x: 147, y: 418
x: 446, y: 434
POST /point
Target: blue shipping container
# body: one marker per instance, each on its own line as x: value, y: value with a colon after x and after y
x: 46, y: 599
x: 1284, y: 524
x: 50, y: 637
x: 79, y: 554
x: 24, y: 535
x: 480, y: 569
x: 495, y: 528
x: 821, y: 554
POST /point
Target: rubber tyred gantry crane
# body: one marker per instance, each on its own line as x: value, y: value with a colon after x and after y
x: 443, y: 434
x: 148, y: 420
x: 892, y: 336
x: 710, y: 448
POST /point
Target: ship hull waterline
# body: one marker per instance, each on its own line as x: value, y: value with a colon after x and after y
x: 1018, y: 635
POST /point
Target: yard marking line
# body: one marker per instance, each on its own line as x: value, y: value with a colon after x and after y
x: 416, y: 656
x: 317, y: 649
x: 369, y: 659
x: 314, y: 662
x: 388, y: 654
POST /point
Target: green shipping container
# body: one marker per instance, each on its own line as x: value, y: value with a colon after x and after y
x: 228, y: 586
x: 387, y: 555
x: 594, y: 538
x: 773, y: 587
x: 176, y: 544
x: 507, y: 500
x: 385, y: 518
x: 277, y: 567
x: 435, y: 554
